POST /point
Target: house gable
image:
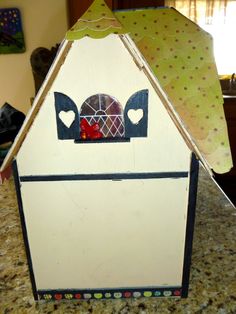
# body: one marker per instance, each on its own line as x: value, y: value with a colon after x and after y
x: 91, y: 68
x: 196, y: 105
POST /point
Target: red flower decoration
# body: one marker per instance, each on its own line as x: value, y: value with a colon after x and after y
x: 89, y: 131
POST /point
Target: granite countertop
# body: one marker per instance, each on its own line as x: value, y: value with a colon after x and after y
x: 213, y: 270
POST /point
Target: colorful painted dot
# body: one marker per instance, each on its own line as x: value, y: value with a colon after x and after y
x: 147, y: 294
x: 137, y: 294
x: 177, y: 293
x: 47, y: 296
x: 68, y: 296
x: 127, y: 294
x: 87, y: 295
x: 167, y: 293
x: 58, y: 296
x: 157, y: 293
x: 108, y: 295
x: 98, y: 295
x: 78, y: 296
x: 117, y: 295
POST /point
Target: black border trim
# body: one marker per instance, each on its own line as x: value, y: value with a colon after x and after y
x: 103, y: 140
x: 111, y: 176
x: 112, y: 293
x: 194, y: 168
x: 24, y: 230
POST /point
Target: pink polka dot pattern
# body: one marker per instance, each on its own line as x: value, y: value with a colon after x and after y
x: 180, y: 55
x: 181, y: 58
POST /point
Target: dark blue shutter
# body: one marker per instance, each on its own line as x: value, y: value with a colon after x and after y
x: 64, y: 103
x: 139, y: 100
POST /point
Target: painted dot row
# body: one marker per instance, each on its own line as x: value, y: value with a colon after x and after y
x: 108, y: 295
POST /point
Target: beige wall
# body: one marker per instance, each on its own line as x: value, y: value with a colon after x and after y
x: 44, y: 25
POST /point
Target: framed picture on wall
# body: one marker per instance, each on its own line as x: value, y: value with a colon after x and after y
x: 11, y: 33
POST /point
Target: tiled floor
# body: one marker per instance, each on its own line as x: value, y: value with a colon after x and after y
x: 213, y: 271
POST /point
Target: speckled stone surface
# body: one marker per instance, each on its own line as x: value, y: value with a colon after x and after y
x: 213, y: 271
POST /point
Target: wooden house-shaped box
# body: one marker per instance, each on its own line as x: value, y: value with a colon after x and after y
x: 106, y: 162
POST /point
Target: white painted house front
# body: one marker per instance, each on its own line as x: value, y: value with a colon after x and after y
x: 112, y: 216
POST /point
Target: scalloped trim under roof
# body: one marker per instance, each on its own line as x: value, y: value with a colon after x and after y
x: 97, y: 22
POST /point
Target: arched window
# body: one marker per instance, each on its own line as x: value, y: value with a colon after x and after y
x: 107, y: 112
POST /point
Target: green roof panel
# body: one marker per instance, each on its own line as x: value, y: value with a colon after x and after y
x: 180, y: 54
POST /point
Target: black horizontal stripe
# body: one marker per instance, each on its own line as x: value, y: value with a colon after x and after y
x: 105, y: 176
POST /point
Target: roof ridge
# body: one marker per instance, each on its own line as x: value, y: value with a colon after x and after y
x: 101, y: 21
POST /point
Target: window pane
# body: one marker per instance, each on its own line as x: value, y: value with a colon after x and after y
x: 107, y: 112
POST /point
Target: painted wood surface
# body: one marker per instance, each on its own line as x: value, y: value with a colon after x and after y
x: 136, y: 115
x: 106, y: 234
x: 102, y: 66
x: 67, y: 117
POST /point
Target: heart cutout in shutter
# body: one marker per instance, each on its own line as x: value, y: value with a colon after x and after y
x: 67, y: 117
x: 135, y: 115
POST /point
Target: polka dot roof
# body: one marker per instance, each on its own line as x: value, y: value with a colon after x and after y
x: 180, y: 55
